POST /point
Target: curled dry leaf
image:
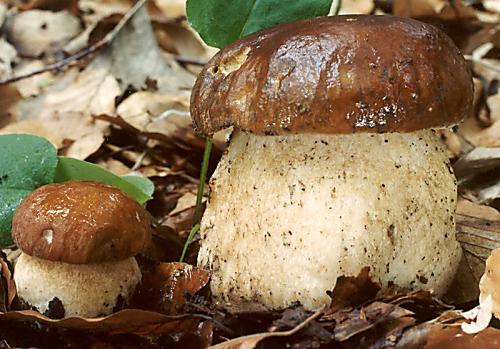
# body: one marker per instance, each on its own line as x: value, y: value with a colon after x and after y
x: 352, y: 291
x: 7, y: 284
x: 36, y: 32
x: 165, y: 287
x: 51, y: 5
x: 129, y: 321
x: 478, y: 237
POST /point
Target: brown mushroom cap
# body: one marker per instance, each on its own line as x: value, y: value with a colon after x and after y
x: 80, y: 222
x: 340, y: 74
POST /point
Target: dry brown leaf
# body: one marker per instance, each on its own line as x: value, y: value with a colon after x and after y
x: 143, y: 107
x: 9, y: 96
x: 32, y: 126
x: 251, y: 341
x: 35, y: 85
x: 479, y: 160
x: 129, y: 321
x: 51, y: 5
x: 8, y: 56
x: 356, y: 7
x: 440, y: 337
x: 186, y: 201
x: 478, y: 237
x: 468, y: 208
x: 177, y: 38
x: 7, y: 285
x: 172, y: 8
x: 115, y: 166
x: 352, y: 291
x: 36, y: 32
x: 443, y: 9
x: 165, y: 287
x: 149, y: 66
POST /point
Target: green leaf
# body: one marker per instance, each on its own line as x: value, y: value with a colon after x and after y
x: 73, y: 169
x: 142, y: 183
x: 26, y: 163
x: 221, y: 22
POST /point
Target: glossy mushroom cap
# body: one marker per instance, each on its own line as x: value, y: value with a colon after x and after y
x: 80, y: 222
x: 340, y: 74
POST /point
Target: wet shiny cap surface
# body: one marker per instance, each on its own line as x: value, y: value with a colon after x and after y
x: 80, y: 222
x: 340, y: 74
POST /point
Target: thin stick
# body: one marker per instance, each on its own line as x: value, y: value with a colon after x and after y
x: 187, y: 60
x: 203, y: 178
x: 89, y: 50
x: 199, y: 197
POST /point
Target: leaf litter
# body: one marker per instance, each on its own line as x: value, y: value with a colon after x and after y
x: 125, y: 107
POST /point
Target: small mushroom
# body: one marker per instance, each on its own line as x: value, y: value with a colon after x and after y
x: 334, y: 163
x: 78, y: 241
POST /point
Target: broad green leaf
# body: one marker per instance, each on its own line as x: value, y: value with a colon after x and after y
x: 26, y: 163
x: 141, y: 182
x: 9, y: 200
x: 73, y: 169
x: 220, y: 22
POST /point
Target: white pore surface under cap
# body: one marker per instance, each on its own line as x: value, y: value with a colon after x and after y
x: 287, y: 215
x: 86, y: 290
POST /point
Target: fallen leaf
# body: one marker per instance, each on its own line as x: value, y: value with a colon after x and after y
x: 137, y: 40
x: 356, y: 7
x: 454, y: 338
x: 186, y: 201
x: 9, y: 96
x: 358, y: 321
x: 8, y: 57
x: 141, y: 108
x: 36, y: 32
x: 7, y: 284
x: 442, y: 9
x: 172, y: 8
x: 166, y: 286
x: 35, y: 85
x: 128, y: 321
x: 51, y: 5
x: 251, y: 341
x: 352, y: 291
x: 478, y: 237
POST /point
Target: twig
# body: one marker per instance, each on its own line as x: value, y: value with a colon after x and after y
x: 187, y: 60
x: 89, y: 50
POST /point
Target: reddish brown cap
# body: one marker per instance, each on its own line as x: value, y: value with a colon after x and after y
x: 80, y: 222
x: 340, y: 74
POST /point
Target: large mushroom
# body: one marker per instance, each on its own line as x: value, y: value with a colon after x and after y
x: 334, y: 163
x: 78, y: 241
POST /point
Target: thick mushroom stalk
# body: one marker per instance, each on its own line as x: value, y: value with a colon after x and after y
x: 333, y: 165
x: 289, y: 214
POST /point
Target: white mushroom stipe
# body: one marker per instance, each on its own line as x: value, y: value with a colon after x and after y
x: 287, y: 215
x: 86, y: 290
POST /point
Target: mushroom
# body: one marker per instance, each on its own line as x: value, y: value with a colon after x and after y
x: 490, y: 283
x: 79, y: 240
x: 334, y: 163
